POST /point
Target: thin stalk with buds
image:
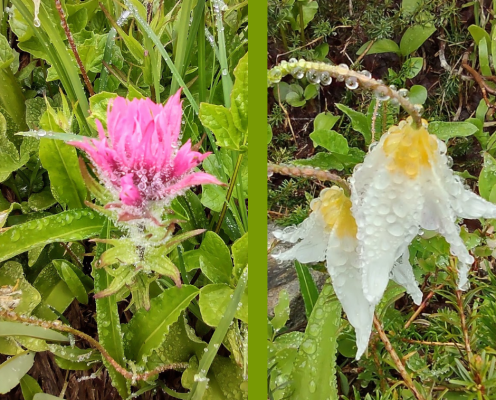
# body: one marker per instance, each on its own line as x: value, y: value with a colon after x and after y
x: 57, y: 326
x: 318, y: 72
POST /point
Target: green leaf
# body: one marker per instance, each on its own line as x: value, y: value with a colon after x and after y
x: 12, y: 274
x: 74, y: 358
x: 240, y: 255
x: 478, y: 34
x: 215, y: 259
x: 359, y: 122
x: 414, y: 66
x: 239, y: 95
x: 414, y: 37
x: 308, y: 288
x: 98, y: 106
x: 107, y: 318
x: 311, y: 91
x: 29, y: 387
x: 156, y: 259
x: 380, y: 46
x: 314, y: 371
x: 484, y: 57
x: 123, y: 275
x: 214, y: 300
x: 11, y: 158
x: 54, y: 294
x: 323, y: 161
x: 295, y: 99
x: 150, y: 327
x: 487, y: 178
x: 19, y: 329
x: 417, y: 94
x: 220, y: 121
x: 213, y: 197
x: 66, y: 181
x: 13, y: 370
x: 325, y: 121
x: 281, y: 311
x: 447, y: 130
x: 408, y: 7
x: 67, y: 226
x: 45, y: 396
x: 42, y: 200
x: 330, y: 140
x: 71, y: 279
x: 6, y: 54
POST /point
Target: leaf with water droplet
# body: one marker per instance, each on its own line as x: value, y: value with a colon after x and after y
x: 313, y: 374
x: 13, y: 370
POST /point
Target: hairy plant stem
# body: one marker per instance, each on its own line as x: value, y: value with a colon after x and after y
x: 12, y: 316
x: 363, y: 81
x: 399, y: 365
x: 309, y: 172
x: 463, y: 324
x: 68, y: 33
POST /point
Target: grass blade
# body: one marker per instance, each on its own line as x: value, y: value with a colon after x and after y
x: 308, y: 287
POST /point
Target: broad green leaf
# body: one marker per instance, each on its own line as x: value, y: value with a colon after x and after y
x: 414, y: 65
x: 67, y: 226
x: 11, y: 158
x: 323, y: 161
x: 414, y: 37
x: 6, y: 54
x: 281, y: 311
x: 54, y: 294
x: 487, y: 178
x: 74, y: 358
x: 240, y: 255
x: 42, y: 200
x: 12, y: 274
x: 214, y: 300
x: 239, y: 95
x: 330, y: 140
x: 478, y: 34
x: 220, y: 121
x: 308, y: 288
x: 98, y: 106
x: 314, y: 371
x: 72, y: 280
x: 213, y: 197
x: 484, y: 57
x: 45, y: 396
x: 359, y: 122
x: 107, y: 317
x: 447, y: 130
x: 408, y: 7
x: 19, y: 329
x: 380, y: 46
x: 295, y: 99
x: 325, y: 121
x: 5, y: 213
x: 148, y: 328
x: 215, y: 259
x: 311, y: 91
x: 417, y: 94
x: 61, y: 162
x: 29, y: 387
x: 393, y: 293
x: 13, y: 370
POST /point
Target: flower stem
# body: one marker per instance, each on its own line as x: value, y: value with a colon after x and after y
x: 12, y: 316
x: 308, y: 172
x: 68, y: 33
x: 399, y: 365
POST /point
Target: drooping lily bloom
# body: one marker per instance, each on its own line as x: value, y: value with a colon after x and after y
x: 139, y: 156
x: 329, y: 234
x: 404, y: 185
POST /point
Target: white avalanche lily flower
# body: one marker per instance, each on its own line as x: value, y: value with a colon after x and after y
x: 405, y: 185
x: 329, y: 234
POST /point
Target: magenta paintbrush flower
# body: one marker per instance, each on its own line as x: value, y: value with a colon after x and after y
x: 139, y: 156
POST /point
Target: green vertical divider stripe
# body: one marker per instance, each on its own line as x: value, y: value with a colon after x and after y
x: 257, y: 125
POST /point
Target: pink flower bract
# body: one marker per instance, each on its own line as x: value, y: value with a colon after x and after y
x: 140, y: 157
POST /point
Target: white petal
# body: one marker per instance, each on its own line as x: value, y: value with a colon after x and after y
x: 463, y: 276
x: 314, y: 241
x: 402, y: 274
x: 346, y: 280
x: 387, y: 208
